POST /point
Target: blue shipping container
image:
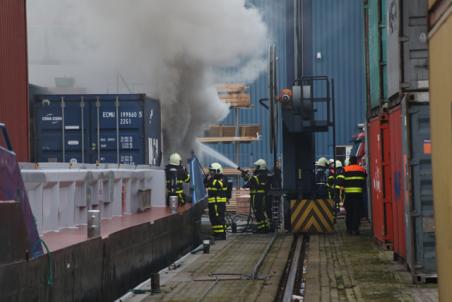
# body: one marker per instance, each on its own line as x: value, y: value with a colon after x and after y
x: 123, y: 129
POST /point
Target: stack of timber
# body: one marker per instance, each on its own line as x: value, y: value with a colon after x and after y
x: 240, y: 202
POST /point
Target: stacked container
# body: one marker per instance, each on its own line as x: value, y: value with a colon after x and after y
x: 399, y: 132
x: 13, y: 75
x: 123, y: 129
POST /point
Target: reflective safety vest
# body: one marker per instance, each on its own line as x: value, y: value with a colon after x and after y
x: 259, y: 183
x: 354, y: 179
x: 217, y: 190
x: 336, y: 182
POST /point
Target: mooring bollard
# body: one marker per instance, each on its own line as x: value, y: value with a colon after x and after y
x: 93, y: 223
x: 173, y: 200
x: 155, y: 283
x: 206, y: 246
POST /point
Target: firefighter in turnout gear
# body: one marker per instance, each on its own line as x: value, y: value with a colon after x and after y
x: 218, y: 192
x: 176, y: 176
x: 354, y: 184
x: 336, y: 184
x: 321, y: 187
x: 259, y: 185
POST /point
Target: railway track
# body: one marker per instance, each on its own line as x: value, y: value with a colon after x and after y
x: 246, y: 267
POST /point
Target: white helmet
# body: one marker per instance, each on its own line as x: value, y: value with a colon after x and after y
x: 216, y: 168
x: 260, y: 164
x: 175, y: 159
x: 331, y: 161
x: 322, y: 162
x: 338, y: 164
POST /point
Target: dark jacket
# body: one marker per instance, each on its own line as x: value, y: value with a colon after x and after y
x: 259, y: 182
x: 354, y: 179
x: 175, y: 179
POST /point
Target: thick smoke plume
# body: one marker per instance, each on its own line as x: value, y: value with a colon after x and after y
x: 165, y: 48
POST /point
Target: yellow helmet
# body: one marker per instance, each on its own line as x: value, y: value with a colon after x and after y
x: 260, y: 164
x: 338, y: 164
x: 175, y: 159
x: 216, y: 168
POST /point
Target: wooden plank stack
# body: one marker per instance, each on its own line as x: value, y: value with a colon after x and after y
x: 234, y: 94
x: 240, y: 202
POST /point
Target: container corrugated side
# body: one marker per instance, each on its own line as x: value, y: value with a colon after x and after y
x: 440, y: 47
x: 342, y: 59
x: 97, y: 128
x: 14, y: 75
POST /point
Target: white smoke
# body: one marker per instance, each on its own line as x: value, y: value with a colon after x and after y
x: 165, y: 48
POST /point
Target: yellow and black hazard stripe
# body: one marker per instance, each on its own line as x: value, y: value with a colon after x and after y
x: 312, y: 216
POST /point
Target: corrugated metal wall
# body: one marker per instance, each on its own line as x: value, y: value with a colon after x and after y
x: 339, y: 37
x: 337, y: 32
x: 13, y: 74
x: 278, y: 16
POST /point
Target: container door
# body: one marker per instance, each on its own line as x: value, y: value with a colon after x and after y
x: 117, y: 133
x: 387, y: 179
x: 423, y: 237
x: 393, y: 46
x: 397, y: 176
x: 61, y: 129
x: 414, y: 47
x: 153, y: 131
x: 375, y: 175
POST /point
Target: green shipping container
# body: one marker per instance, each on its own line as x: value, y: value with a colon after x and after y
x: 377, y: 38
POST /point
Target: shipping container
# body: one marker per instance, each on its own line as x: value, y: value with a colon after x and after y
x: 380, y: 174
x: 420, y: 228
x: 440, y: 63
x: 397, y: 50
x: 123, y: 129
x: 14, y: 75
x: 398, y: 172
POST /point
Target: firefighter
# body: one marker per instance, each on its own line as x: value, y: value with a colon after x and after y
x: 218, y: 191
x: 336, y: 183
x: 354, y: 185
x: 321, y: 188
x: 259, y: 184
x: 176, y: 176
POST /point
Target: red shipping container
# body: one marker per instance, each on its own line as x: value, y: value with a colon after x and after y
x: 397, y: 177
x: 380, y: 175
x: 14, y: 74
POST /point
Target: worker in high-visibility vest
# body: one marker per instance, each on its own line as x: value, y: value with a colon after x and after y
x: 218, y: 192
x: 176, y: 176
x: 259, y: 184
x: 354, y: 187
x: 336, y: 183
